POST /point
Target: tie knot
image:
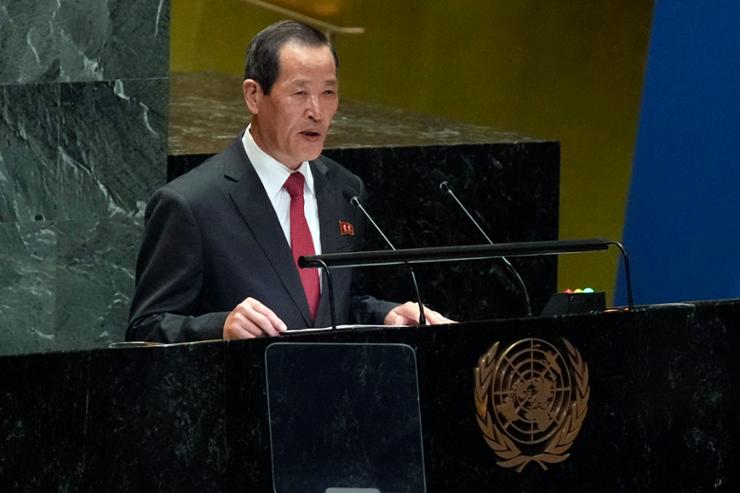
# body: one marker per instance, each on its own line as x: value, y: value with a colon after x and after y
x: 294, y: 184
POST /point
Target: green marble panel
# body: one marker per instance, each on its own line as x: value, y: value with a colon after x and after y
x: 27, y: 292
x: 29, y: 41
x: 83, y: 40
x: 114, y: 39
x: 112, y: 146
x: 83, y: 135
x: 94, y: 280
x: 29, y: 129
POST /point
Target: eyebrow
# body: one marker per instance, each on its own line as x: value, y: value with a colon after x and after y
x: 301, y: 82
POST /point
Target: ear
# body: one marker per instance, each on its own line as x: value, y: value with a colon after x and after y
x: 253, y: 94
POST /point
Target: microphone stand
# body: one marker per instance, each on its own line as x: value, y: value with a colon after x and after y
x: 445, y: 187
x: 356, y: 202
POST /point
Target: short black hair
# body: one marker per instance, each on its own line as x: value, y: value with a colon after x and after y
x: 263, y: 53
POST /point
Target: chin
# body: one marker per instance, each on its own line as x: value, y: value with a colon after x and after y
x: 311, y: 154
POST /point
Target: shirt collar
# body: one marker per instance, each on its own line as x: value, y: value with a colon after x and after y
x: 272, y: 172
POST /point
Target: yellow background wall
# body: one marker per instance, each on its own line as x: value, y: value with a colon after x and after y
x: 569, y: 71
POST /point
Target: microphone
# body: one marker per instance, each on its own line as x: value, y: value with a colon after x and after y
x: 352, y: 198
x: 444, y: 186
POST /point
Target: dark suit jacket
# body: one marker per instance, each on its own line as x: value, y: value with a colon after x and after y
x: 212, y: 239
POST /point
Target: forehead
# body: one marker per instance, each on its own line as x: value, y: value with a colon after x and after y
x: 299, y: 61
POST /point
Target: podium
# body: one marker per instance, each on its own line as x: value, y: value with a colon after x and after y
x: 661, y: 410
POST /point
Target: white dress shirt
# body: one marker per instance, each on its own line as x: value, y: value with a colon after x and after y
x: 273, y: 174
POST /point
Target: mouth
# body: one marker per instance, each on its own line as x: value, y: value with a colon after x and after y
x: 311, y: 134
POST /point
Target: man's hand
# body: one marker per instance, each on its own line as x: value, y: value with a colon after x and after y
x: 252, y: 319
x: 408, y: 314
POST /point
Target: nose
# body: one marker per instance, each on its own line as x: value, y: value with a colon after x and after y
x: 313, y: 109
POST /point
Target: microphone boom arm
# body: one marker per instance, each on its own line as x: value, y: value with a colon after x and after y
x: 467, y: 252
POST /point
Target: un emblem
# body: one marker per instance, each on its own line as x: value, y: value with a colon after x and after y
x: 531, y: 401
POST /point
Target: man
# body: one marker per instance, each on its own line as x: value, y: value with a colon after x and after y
x: 221, y: 242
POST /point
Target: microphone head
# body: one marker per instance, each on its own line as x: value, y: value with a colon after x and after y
x: 351, y: 196
x: 440, y: 177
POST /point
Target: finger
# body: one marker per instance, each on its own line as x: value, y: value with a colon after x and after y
x: 259, y: 325
x: 394, y: 318
x: 410, y: 311
x: 274, y: 320
x: 235, y: 328
x: 409, y: 318
x: 245, y: 323
x: 436, y: 317
x: 247, y: 315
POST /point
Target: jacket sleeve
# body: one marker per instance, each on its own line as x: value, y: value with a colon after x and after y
x: 369, y: 310
x: 169, y: 276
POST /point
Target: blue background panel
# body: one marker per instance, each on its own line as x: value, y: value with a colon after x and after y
x: 683, y: 214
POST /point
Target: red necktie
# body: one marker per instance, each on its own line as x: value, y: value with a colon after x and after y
x: 301, y: 242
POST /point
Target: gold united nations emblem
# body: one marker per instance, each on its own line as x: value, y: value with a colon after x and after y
x: 531, y: 401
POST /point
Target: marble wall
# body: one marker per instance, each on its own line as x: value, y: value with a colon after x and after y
x: 83, y: 137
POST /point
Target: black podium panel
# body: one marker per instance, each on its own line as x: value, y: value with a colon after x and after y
x: 344, y: 416
x: 650, y: 403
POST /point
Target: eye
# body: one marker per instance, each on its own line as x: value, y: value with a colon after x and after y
x: 329, y: 92
x: 300, y: 93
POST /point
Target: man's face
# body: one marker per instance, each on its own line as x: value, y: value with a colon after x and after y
x: 291, y: 123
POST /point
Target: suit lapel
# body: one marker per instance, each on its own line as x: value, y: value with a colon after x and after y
x: 250, y: 198
x: 328, y: 200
